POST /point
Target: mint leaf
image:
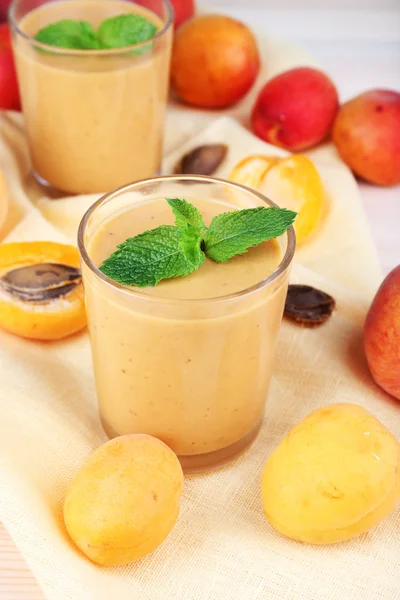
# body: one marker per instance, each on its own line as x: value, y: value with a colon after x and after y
x: 189, y: 221
x: 125, y: 30
x: 149, y: 257
x: 191, y: 245
x: 186, y: 214
x: 235, y: 232
x: 76, y: 35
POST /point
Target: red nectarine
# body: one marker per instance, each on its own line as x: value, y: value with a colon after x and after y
x: 296, y: 109
x: 366, y: 133
x: 184, y: 10
x: 9, y: 92
x: 382, y: 335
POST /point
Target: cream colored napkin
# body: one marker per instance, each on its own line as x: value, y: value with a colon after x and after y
x: 222, y: 548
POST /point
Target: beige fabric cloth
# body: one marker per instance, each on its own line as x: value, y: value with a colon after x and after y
x: 222, y: 548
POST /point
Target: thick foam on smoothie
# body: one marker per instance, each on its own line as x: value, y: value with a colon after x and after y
x: 212, y: 279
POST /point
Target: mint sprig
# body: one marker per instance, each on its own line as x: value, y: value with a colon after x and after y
x: 175, y: 251
x: 115, y: 32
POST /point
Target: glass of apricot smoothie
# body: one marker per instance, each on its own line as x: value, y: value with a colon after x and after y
x: 94, y: 117
x: 190, y: 359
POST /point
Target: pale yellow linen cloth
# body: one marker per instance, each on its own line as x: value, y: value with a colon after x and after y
x: 222, y: 548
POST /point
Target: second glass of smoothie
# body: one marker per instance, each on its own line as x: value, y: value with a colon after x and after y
x: 189, y: 360
x: 94, y: 118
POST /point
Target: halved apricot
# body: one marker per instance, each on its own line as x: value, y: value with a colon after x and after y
x: 251, y: 170
x: 3, y: 199
x: 295, y: 183
x: 41, y: 292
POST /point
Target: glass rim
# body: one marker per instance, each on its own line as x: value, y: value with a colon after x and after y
x: 88, y: 52
x: 281, y: 268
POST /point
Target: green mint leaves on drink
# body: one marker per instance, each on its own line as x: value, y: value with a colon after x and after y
x: 116, y: 32
x: 77, y: 35
x: 149, y: 257
x: 189, y: 221
x: 125, y: 30
x: 178, y: 250
x: 234, y: 232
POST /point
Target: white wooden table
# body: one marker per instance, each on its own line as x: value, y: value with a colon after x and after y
x: 360, y: 50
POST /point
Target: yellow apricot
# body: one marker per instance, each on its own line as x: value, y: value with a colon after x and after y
x: 334, y: 476
x: 125, y: 499
x: 47, y: 319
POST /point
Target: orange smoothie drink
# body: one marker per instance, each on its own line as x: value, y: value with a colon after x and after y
x: 190, y: 359
x: 94, y: 117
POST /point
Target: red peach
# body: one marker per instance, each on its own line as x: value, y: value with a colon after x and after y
x: 295, y: 110
x: 4, y: 4
x: 382, y: 335
x: 215, y: 61
x: 366, y: 133
x: 9, y: 92
x: 184, y: 10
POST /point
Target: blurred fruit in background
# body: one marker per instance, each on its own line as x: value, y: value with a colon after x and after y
x: 4, y: 4
x: 215, y: 61
x: 184, y: 10
x: 9, y: 93
x: 366, y: 133
x: 295, y: 110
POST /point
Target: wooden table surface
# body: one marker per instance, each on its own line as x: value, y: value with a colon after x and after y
x: 356, y: 62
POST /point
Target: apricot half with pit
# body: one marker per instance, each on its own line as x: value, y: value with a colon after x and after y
x: 334, y: 476
x: 41, y: 292
x: 125, y: 499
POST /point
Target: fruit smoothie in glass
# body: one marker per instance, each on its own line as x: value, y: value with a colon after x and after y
x: 94, y: 117
x: 190, y: 359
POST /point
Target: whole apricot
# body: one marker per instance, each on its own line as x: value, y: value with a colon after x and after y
x: 382, y: 335
x: 125, y: 499
x: 295, y: 110
x: 366, y: 133
x: 334, y: 476
x: 215, y: 61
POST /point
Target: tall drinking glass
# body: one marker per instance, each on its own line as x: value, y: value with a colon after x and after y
x: 185, y: 361
x: 94, y: 118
